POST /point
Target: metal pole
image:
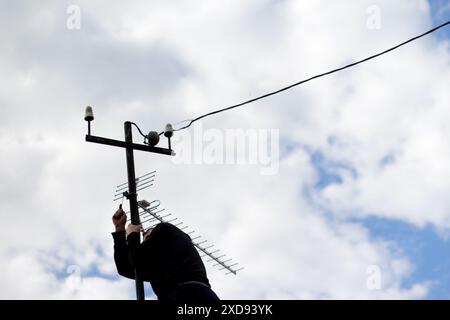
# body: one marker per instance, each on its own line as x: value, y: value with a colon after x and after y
x: 132, y: 197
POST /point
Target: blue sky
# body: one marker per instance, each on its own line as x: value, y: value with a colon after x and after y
x: 440, y: 10
x: 428, y: 250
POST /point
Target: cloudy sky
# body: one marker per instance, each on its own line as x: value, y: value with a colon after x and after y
x: 356, y: 204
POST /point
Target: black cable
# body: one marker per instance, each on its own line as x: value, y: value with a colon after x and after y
x: 309, y: 79
x: 134, y: 124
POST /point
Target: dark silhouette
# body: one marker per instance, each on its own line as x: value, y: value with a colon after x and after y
x: 166, y: 258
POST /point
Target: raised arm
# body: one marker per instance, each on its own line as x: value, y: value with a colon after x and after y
x: 121, y: 252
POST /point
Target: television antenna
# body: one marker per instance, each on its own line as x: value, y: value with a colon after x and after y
x: 151, y: 214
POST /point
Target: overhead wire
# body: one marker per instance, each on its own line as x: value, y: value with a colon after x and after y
x: 191, y: 121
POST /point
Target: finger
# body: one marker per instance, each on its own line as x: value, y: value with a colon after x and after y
x: 120, y: 206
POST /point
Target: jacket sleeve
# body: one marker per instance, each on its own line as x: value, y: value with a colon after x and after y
x: 133, y: 240
x: 121, y: 255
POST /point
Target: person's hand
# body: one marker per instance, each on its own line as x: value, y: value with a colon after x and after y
x: 119, y: 219
x: 133, y: 228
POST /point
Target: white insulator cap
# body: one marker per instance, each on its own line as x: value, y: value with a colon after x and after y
x: 88, y: 114
x: 168, y: 131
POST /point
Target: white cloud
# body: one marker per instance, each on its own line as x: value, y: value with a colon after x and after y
x: 403, y: 122
x: 26, y: 276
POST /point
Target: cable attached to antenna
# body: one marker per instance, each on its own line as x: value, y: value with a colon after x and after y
x: 139, y: 129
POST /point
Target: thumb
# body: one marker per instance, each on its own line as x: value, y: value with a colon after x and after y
x: 118, y: 214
